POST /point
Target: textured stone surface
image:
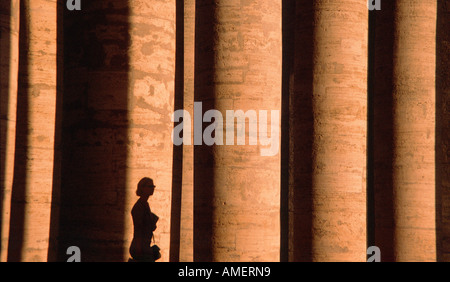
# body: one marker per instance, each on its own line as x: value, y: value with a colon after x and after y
x: 404, y: 131
x: 112, y: 67
x: 328, y: 117
x: 35, y: 131
x: 9, y: 62
x: 119, y: 92
x: 151, y: 104
x: 236, y: 190
x: 187, y: 192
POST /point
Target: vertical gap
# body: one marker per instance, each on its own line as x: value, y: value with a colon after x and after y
x: 95, y: 125
x: 288, y: 16
x: 442, y: 130
x: 204, y: 173
x: 438, y: 186
x: 302, y: 134
x: 370, y: 83
x: 177, y: 174
x: 383, y: 133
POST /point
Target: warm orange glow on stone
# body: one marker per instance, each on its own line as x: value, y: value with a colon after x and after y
x: 404, y: 131
x: 328, y: 132
x: 236, y: 190
x: 354, y: 151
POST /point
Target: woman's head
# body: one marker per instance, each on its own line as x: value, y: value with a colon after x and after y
x: 145, y: 187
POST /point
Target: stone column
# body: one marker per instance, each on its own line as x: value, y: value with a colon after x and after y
x: 151, y: 105
x: 236, y: 187
x: 35, y: 132
x: 328, y: 132
x: 187, y: 193
x: 9, y: 62
x: 118, y: 102
x: 404, y: 130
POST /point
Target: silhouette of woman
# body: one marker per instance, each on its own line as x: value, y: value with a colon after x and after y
x: 144, y: 222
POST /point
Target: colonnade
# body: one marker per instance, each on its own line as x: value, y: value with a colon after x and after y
x: 88, y: 96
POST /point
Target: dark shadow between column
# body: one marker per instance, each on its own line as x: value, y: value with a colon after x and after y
x: 177, y: 166
x: 301, y: 132
x: 95, y: 130
x: 203, y: 155
x: 442, y: 157
x: 382, y: 130
x: 288, y: 18
x: 370, y: 227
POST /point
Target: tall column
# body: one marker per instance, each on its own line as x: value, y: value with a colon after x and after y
x: 9, y: 61
x: 328, y: 132
x: 119, y: 92
x: 151, y: 105
x: 404, y: 130
x: 36, y: 109
x: 187, y: 192
x: 443, y: 130
x: 236, y: 187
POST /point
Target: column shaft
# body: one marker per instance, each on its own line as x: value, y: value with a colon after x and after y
x: 119, y: 98
x: 236, y: 188
x: 328, y: 132
x: 404, y: 131
x: 9, y: 52
x: 35, y: 132
x: 187, y: 194
x: 151, y: 105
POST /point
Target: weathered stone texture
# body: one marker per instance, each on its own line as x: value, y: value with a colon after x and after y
x: 328, y: 126
x: 35, y: 131
x: 236, y: 190
x: 120, y: 89
x: 86, y: 104
x: 151, y: 105
x: 187, y: 191
x: 404, y: 130
x: 9, y: 63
